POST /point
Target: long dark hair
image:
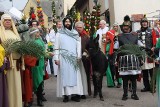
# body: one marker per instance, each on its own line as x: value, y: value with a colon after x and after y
x: 70, y: 28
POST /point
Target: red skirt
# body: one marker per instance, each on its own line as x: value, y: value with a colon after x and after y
x: 27, y: 85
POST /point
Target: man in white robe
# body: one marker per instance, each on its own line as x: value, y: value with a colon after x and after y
x: 102, y: 30
x: 51, y: 38
x: 69, y: 81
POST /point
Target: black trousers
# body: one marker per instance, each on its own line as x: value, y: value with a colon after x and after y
x: 39, y: 91
x: 146, y: 80
x: 114, y: 69
x: 133, y: 79
x: 51, y: 65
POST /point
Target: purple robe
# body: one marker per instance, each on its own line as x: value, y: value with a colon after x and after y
x: 3, y: 88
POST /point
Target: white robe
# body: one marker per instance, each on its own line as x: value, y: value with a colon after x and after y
x: 73, y: 83
x: 101, y: 32
x: 51, y: 37
x: 146, y: 65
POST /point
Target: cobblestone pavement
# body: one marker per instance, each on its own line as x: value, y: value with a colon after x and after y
x: 112, y: 98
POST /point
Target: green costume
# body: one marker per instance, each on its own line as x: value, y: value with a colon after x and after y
x: 110, y: 82
x: 38, y: 71
x: 157, y: 75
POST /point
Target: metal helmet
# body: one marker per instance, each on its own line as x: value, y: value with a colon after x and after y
x: 144, y: 19
x: 127, y: 21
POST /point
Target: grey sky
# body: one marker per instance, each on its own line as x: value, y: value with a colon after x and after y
x: 19, y: 4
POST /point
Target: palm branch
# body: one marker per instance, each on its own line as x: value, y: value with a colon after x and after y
x: 131, y: 49
x: 70, y: 58
x: 33, y: 49
x: 23, y: 47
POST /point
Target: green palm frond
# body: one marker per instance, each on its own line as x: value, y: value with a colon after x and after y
x: 70, y: 58
x: 23, y: 47
x: 131, y: 49
x: 6, y: 44
x: 33, y: 49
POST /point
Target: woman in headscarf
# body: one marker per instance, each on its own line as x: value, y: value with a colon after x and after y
x: 117, y: 30
x: 109, y: 54
x: 3, y: 81
x: 38, y: 70
x: 29, y: 62
x: 9, y: 31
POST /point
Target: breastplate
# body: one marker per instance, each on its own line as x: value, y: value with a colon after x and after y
x: 146, y: 39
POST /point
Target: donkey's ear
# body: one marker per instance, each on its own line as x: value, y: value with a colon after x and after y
x: 97, y: 38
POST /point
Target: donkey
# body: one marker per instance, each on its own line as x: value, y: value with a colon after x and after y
x: 99, y: 65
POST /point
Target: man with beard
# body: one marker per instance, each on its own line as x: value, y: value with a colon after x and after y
x: 128, y: 68
x: 69, y: 81
x: 148, y: 41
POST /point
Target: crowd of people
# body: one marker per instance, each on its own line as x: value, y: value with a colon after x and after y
x: 22, y: 77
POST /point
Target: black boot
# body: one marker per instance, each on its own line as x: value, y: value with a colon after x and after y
x: 43, y: 98
x: 125, y: 97
x: 134, y: 96
x: 75, y: 98
x: 66, y: 99
x: 39, y: 103
x: 134, y: 89
x: 83, y: 97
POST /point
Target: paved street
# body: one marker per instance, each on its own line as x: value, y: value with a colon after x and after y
x: 112, y: 97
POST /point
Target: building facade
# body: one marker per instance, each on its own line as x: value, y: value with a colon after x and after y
x: 62, y: 6
x: 83, y: 5
x: 26, y: 11
x: 119, y: 8
x: 24, y: 7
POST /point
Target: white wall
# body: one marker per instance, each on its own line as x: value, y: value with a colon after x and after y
x: 106, y: 4
x: 67, y: 5
x: 124, y: 7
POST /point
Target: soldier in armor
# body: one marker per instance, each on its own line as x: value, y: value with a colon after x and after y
x: 147, y: 39
x: 128, y: 65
